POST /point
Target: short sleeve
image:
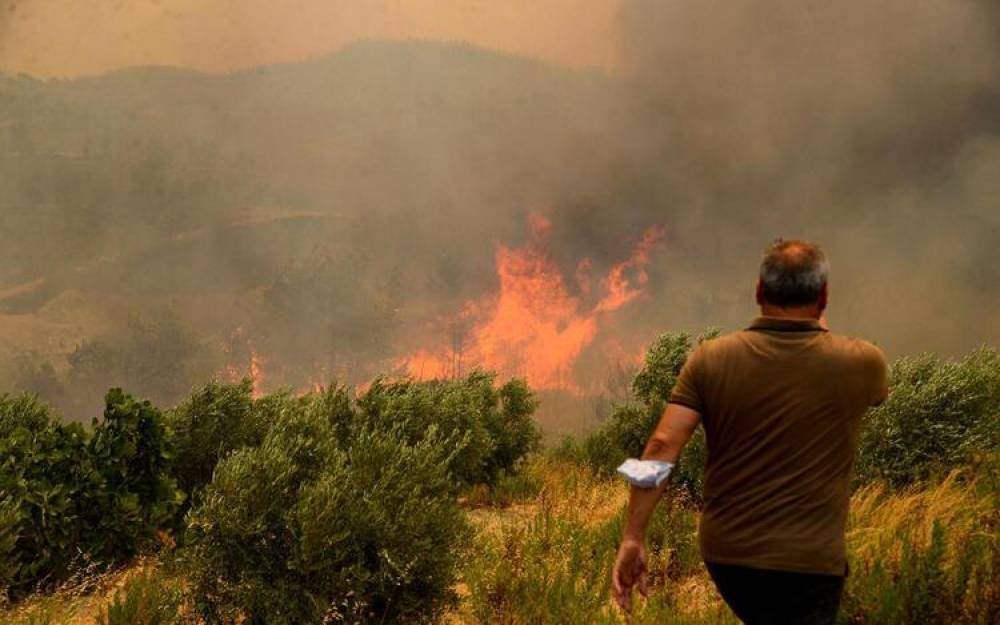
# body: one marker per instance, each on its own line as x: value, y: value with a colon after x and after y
x: 688, y: 390
x: 878, y: 376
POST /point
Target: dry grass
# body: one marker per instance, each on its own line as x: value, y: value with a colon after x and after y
x: 544, y: 558
x: 77, y: 602
x: 878, y: 518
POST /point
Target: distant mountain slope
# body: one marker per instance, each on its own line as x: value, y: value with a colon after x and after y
x: 432, y: 145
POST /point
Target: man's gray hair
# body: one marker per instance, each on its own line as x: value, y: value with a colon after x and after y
x: 793, y: 273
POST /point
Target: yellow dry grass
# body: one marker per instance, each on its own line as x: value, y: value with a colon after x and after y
x: 78, y: 602
x: 878, y: 518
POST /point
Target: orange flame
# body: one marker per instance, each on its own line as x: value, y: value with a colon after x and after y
x: 256, y: 372
x: 620, y: 291
x: 255, y: 365
x: 533, y: 327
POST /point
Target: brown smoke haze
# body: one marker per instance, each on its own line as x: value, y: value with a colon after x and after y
x: 410, y: 206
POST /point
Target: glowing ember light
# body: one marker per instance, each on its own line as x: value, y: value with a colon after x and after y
x: 255, y: 362
x: 533, y: 327
x: 256, y: 372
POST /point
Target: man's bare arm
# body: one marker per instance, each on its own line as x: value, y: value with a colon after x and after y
x: 671, y: 435
x: 668, y: 440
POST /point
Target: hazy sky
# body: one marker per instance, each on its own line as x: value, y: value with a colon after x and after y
x: 78, y: 37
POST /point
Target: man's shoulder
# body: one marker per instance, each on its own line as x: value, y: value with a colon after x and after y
x: 848, y: 347
x: 856, y: 347
x: 721, y: 349
x: 722, y: 343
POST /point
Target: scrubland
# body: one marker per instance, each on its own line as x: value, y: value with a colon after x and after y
x: 434, y: 502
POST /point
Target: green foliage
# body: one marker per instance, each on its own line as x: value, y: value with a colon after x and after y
x: 518, y: 487
x: 217, y: 419
x: 664, y: 359
x: 494, y: 424
x: 69, y: 496
x: 940, y: 414
x: 147, y: 599
x: 627, y: 430
x: 9, y: 561
x: 132, y: 492
x: 43, y: 477
x: 514, y: 432
x: 307, y: 528
x: 22, y: 411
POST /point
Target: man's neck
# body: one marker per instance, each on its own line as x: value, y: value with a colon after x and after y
x: 800, y: 312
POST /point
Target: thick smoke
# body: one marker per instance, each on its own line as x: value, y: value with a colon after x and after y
x: 323, y: 218
x: 869, y: 127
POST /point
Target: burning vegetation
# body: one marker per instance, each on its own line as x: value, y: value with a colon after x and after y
x: 337, y: 257
x: 536, y: 325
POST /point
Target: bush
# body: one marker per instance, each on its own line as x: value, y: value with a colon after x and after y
x: 217, y: 419
x: 309, y: 529
x: 42, y: 479
x: 69, y: 497
x: 495, y: 424
x: 130, y: 489
x: 939, y: 416
x: 627, y: 430
x: 9, y: 562
x: 146, y: 599
x: 22, y: 411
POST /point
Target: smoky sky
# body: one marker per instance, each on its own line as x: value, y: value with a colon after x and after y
x: 68, y: 38
x: 869, y: 127
x: 340, y: 210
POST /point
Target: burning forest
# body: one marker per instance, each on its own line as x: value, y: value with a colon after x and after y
x: 405, y: 283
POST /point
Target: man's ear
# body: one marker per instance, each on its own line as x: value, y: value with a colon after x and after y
x: 760, y: 294
x: 824, y: 298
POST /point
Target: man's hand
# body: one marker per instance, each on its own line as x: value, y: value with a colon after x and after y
x: 671, y: 434
x: 630, y: 570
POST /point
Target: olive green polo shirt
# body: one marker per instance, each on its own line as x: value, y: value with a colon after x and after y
x: 781, y: 403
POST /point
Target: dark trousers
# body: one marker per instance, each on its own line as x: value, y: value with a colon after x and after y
x: 760, y: 597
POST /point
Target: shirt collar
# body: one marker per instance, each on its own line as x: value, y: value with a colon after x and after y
x: 779, y: 324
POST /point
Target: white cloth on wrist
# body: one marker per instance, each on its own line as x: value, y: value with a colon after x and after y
x: 645, y: 473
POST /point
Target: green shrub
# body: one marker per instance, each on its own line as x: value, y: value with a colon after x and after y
x: 940, y: 414
x: 22, y: 411
x: 131, y: 492
x: 42, y: 475
x: 70, y: 497
x: 495, y: 424
x: 627, y: 430
x: 10, y: 517
x: 518, y: 487
x: 146, y: 599
x: 217, y: 419
x: 514, y: 432
x: 309, y: 529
